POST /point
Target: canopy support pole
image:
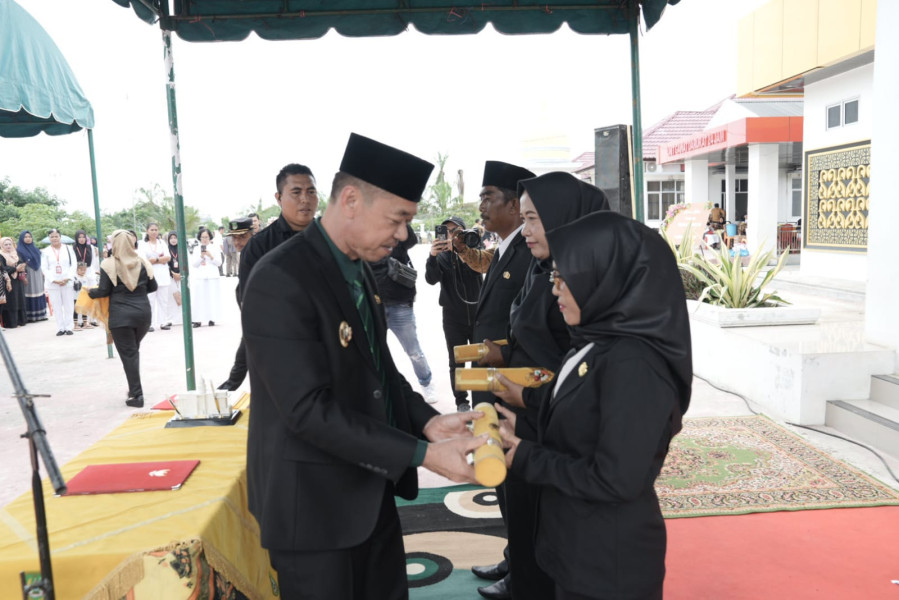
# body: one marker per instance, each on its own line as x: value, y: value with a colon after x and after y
x: 637, y: 157
x: 179, y: 212
x: 100, y: 240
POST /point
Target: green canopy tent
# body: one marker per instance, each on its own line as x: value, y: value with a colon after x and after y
x: 38, y: 91
x: 234, y: 20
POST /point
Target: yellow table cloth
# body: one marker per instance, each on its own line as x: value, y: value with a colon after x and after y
x: 102, y: 545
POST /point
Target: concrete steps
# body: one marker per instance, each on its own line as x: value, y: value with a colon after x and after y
x: 874, y: 421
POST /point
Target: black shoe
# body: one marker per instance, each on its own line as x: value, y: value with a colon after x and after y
x: 151, y: 330
x: 165, y: 327
x: 212, y: 323
x: 464, y: 407
x: 500, y: 589
x: 69, y: 332
x: 195, y: 323
x: 492, y: 572
x: 60, y: 332
x: 135, y: 402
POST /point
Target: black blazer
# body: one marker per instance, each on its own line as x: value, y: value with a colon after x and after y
x: 603, y: 440
x: 320, y: 449
x: 502, y: 283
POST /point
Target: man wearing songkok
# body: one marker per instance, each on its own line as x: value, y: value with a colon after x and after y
x: 335, y: 430
x: 500, y: 214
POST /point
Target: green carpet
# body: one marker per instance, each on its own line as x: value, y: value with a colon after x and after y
x: 740, y: 465
x: 716, y: 466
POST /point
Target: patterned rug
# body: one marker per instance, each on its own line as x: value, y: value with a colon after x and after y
x: 740, y: 465
x: 716, y: 466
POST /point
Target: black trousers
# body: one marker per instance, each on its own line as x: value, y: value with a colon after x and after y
x: 127, y: 343
x: 457, y: 333
x: 528, y: 579
x: 563, y: 595
x: 374, y: 570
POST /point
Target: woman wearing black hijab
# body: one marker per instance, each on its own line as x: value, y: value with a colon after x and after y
x: 606, y: 423
x: 538, y: 337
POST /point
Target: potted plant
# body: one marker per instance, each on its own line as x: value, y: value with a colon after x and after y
x: 733, y: 294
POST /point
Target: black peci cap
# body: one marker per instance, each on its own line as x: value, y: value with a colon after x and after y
x: 504, y: 175
x: 386, y: 167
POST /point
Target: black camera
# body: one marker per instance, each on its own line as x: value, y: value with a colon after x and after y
x: 470, y: 237
x: 203, y: 248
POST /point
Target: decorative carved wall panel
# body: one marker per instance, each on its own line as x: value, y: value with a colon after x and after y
x: 838, y: 180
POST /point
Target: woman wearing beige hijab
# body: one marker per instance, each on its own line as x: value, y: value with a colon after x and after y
x: 127, y: 278
x: 13, y: 312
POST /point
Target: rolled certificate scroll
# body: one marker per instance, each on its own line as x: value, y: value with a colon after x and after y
x: 473, y: 352
x: 483, y: 379
x: 489, y: 461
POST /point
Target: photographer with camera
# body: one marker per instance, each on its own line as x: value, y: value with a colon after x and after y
x: 459, y: 290
x: 396, y: 286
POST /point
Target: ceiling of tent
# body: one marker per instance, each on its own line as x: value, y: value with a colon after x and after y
x: 38, y: 91
x: 233, y: 20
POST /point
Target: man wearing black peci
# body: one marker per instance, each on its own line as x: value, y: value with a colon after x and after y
x: 501, y: 214
x: 336, y: 431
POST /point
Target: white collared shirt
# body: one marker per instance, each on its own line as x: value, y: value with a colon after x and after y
x: 508, y: 241
x: 569, y: 365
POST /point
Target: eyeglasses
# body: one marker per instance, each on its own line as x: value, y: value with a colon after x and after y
x: 556, y: 279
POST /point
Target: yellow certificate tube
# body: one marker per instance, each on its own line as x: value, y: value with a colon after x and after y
x: 473, y: 352
x: 489, y: 460
x: 483, y: 379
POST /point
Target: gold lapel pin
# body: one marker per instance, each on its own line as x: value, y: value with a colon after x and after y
x: 345, y: 333
x: 582, y: 369
x: 377, y: 299
x: 506, y: 275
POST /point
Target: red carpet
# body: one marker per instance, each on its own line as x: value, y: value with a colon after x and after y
x: 845, y: 554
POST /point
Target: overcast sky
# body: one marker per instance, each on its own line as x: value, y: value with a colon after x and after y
x: 247, y: 108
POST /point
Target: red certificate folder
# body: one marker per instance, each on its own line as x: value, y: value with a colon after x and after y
x: 131, y: 477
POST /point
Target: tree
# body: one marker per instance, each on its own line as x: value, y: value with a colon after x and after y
x: 441, y: 191
x: 36, y: 218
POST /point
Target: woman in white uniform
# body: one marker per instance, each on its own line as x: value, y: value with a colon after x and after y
x: 205, y: 261
x: 156, y: 251
x: 58, y: 265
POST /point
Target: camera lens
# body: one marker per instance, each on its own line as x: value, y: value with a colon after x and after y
x: 471, y: 238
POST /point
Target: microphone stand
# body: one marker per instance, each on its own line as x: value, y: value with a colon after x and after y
x: 37, y: 443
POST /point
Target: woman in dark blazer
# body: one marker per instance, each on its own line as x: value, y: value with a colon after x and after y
x: 126, y: 279
x: 606, y: 423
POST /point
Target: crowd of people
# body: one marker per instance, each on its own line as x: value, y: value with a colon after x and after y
x: 336, y: 431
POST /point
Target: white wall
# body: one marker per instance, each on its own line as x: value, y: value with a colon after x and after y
x: 882, y: 298
x: 857, y: 83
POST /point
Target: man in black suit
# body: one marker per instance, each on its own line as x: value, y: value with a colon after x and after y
x: 335, y: 431
x: 298, y: 200
x: 501, y: 214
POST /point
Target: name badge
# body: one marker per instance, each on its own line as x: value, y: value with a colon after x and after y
x: 58, y: 270
x: 175, y: 264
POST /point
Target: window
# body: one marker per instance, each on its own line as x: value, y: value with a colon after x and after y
x: 850, y: 112
x: 796, y: 194
x: 844, y: 113
x: 833, y: 116
x: 662, y: 194
x: 741, y: 198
